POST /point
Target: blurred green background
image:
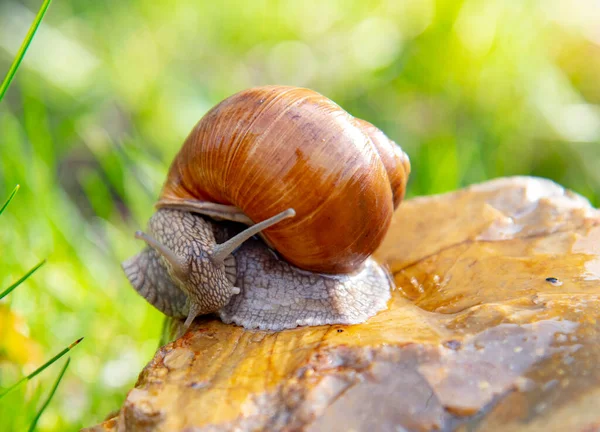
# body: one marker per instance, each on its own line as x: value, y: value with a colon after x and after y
x: 109, y: 89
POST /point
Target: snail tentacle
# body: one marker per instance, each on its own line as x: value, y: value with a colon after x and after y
x: 182, y: 243
x: 193, y: 313
x: 179, y: 266
x: 221, y: 251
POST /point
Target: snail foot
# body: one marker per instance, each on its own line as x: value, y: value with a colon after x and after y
x: 276, y: 296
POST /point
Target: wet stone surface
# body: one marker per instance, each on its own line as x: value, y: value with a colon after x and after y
x: 493, y: 326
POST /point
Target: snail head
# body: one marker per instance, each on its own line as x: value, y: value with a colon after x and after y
x: 183, y: 272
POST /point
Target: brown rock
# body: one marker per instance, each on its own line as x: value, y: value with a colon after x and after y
x: 493, y: 326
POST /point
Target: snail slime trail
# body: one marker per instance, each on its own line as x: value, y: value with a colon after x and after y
x: 239, y: 165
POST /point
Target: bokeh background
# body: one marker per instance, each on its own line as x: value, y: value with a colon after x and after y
x: 471, y: 90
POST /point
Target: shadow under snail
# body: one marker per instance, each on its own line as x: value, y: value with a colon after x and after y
x: 322, y: 186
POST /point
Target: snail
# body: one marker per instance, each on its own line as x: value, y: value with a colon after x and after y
x: 318, y: 185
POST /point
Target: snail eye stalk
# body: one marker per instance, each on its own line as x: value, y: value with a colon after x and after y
x: 221, y: 251
x: 179, y: 266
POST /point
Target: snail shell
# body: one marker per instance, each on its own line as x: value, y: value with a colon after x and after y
x: 267, y: 149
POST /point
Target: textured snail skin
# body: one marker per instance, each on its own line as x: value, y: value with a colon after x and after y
x: 276, y: 296
x: 149, y: 276
x: 273, y: 294
x: 270, y: 148
x: 205, y: 284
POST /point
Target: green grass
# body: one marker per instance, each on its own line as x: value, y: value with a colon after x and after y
x: 109, y: 90
x: 40, y: 369
x: 10, y: 197
x: 61, y: 374
x: 8, y: 290
x: 6, y: 391
x: 23, y: 49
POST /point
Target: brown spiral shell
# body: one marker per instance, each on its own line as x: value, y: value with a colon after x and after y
x: 267, y: 149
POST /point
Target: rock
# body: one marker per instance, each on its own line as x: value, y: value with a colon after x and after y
x: 493, y: 326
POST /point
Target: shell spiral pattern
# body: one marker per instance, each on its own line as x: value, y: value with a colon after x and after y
x: 267, y: 149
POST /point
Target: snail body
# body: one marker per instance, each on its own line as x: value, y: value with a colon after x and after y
x: 331, y: 180
x: 273, y: 295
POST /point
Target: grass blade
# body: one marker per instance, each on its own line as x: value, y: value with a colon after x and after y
x: 4, y: 392
x: 12, y: 194
x: 21, y: 53
x: 8, y: 290
x: 53, y: 359
x: 50, y: 395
